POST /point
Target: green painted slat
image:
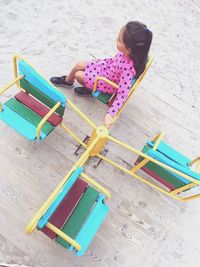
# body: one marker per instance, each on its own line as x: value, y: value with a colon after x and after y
x: 78, y: 216
x: 41, y: 96
x: 28, y: 114
x: 104, y: 97
x: 164, y: 174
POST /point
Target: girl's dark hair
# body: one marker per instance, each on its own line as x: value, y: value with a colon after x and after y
x: 138, y: 38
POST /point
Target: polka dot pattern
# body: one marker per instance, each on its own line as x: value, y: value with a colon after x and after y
x: 119, y: 69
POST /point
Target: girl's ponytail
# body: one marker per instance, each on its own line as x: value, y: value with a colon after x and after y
x: 138, y: 39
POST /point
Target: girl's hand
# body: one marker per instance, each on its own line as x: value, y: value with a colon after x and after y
x: 108, y: 120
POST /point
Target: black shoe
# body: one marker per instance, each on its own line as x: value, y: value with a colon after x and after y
x: 60, y: 81
x: 83, y: 91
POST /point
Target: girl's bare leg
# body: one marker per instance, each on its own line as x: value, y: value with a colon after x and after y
x: 79, y: 76
x: 80, y: 66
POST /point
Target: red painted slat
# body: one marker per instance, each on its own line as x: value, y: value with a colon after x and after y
x: 37, y: 107
x: 65, y: 208
x: 158, y: 178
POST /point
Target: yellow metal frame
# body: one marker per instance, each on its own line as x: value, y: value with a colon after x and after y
x: 5, y: 88
x: 105, y: 138
x: 97, y: 141
x: 101, y: 78
x: 147, y: 158
x: 99, y: 138
x: 132, y: 89
x: 45, y: 119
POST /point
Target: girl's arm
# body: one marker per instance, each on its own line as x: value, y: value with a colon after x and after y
x: 122, y: 94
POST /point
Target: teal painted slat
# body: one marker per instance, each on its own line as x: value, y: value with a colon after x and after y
x: 38, y: 81
x: 18, y: 123
x: 133, y: 81
x: 65, y: 189
x: 91, y: 226
x: 171, y: 153
x: 96, y: 93
x: 186, y: 170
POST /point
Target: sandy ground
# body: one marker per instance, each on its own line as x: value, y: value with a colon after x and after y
x: 53, y: 35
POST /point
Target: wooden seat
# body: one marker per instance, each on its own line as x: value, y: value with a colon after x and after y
x: 172, y: 158
x: 110, y: 98
x: 78, y: 211
x: 37, y: 109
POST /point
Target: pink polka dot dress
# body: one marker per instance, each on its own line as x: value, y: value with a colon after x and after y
x: 119, y: 69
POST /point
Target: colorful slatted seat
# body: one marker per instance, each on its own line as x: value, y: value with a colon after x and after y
x: 109, y: 98
x: 37, y: 109
x: 78, y: 210
x: 172, y: 158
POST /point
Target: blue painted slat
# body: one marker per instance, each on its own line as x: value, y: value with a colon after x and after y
x: 18, y: 123
x: 171, y: 153
x: 91, y: 226
x: 96, y: 93
x: 39, y: 82
x: 65, y: 189
x: 183, y: 169
x: 133, y: 81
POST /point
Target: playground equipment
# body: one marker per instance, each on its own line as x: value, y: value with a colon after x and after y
x: 39, y: 107
x: 72, y: 227
x: 110, y: 98
x: 74, y: 211
x: 181, y: 179
x: 165, y: 164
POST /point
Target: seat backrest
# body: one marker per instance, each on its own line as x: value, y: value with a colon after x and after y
x: 135, y: 83
x: 170, y: 153
x: 171, y: 163
x: 36, y: 85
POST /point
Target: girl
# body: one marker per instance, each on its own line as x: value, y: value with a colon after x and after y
x: 133, y: 43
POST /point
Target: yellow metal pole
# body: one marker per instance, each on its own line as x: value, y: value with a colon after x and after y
x: 73, y: 135
x: 195, y: 161
x: 46, y: 117
x: 139, y: 165
x: 6, y: 87
x: 102, y: 132
x: 15, y: 70
x: 138, y: 177
x: 183, y: 188
x: 157, y: 140
x: 105, y: 80
x: 192, y: 197
x: 63, y: 236
x: 81, y: 114
x: 133, y: 88
x: 96, y: 185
